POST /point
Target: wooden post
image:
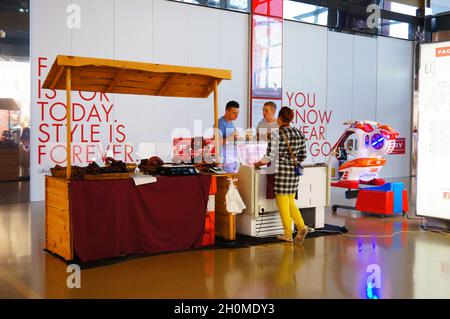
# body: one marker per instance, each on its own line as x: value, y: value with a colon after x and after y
x: 216, y: 122
x: 69, y: 112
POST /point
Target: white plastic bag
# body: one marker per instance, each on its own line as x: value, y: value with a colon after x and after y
x: 233, y: 199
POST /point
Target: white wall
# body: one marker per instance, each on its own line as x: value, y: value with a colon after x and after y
x: 340, y: 82
x: 355, y: 78
x: 49, y: 36
x: 155, y: 31
x: 305, y: 70
x: 364, y: 82
x: 394, y: 96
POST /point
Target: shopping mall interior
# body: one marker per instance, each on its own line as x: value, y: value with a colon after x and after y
x: 139, y: 143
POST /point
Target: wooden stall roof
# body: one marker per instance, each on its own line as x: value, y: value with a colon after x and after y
x: 8, y: 104
x: 126, y: 77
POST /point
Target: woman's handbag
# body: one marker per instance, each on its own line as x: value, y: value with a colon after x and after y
x: 298, y: 168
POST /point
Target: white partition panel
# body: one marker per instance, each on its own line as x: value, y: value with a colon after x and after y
x: 234, y: 48
x: 94, y: 38
x: 133, y: 41
x: 293, y: 59
x: 204, y: 27
x: 305, y: 82
x: 170, y: 46
x: 133, y: 30
x: 394, y: 97
x: 49, y: 37
x: 364, y: 78
x: 348, y: 77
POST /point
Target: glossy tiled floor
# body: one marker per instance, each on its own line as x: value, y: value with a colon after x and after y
x: 412, y: 264
x: 14, y: 192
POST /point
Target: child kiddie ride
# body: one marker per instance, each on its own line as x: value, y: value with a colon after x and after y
x: 355, y: 161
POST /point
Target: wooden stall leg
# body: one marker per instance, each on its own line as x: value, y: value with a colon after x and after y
x: 216, y: 122
x: 69, y: 112
x: 58, y: 226
x: 225, y: 221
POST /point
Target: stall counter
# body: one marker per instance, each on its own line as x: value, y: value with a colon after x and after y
x: 97, y: 219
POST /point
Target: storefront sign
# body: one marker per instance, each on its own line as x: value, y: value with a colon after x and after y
x: 400, y: 146
x: 433, y: 171
x: 441, y: 52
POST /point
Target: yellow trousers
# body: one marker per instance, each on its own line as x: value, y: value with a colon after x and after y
x: 288, y: 212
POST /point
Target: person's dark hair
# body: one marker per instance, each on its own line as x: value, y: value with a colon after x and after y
x: 286, y: 114
x: 232, y: 104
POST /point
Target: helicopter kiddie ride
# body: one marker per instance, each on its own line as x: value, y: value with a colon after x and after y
x: 355, y: 161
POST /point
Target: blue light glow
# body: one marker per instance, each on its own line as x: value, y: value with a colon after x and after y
x: 378, y: 141
x: 370, y: 292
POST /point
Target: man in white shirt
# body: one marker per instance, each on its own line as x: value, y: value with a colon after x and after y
x: 269, y: 123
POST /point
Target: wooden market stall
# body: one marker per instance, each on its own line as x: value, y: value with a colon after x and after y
x: 73, y: 73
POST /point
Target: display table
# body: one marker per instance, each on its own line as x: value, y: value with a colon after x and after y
x: 261, y: 217
x: 99, y: 219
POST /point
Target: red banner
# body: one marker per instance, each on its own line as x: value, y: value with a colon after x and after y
x: 400, y: 146
x: 441, y: 52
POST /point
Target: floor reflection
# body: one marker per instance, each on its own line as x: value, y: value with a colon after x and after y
x: 369, y: 262
x: 14, y: 192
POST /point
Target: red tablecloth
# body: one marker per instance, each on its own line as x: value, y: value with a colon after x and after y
x: 114, y: 217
